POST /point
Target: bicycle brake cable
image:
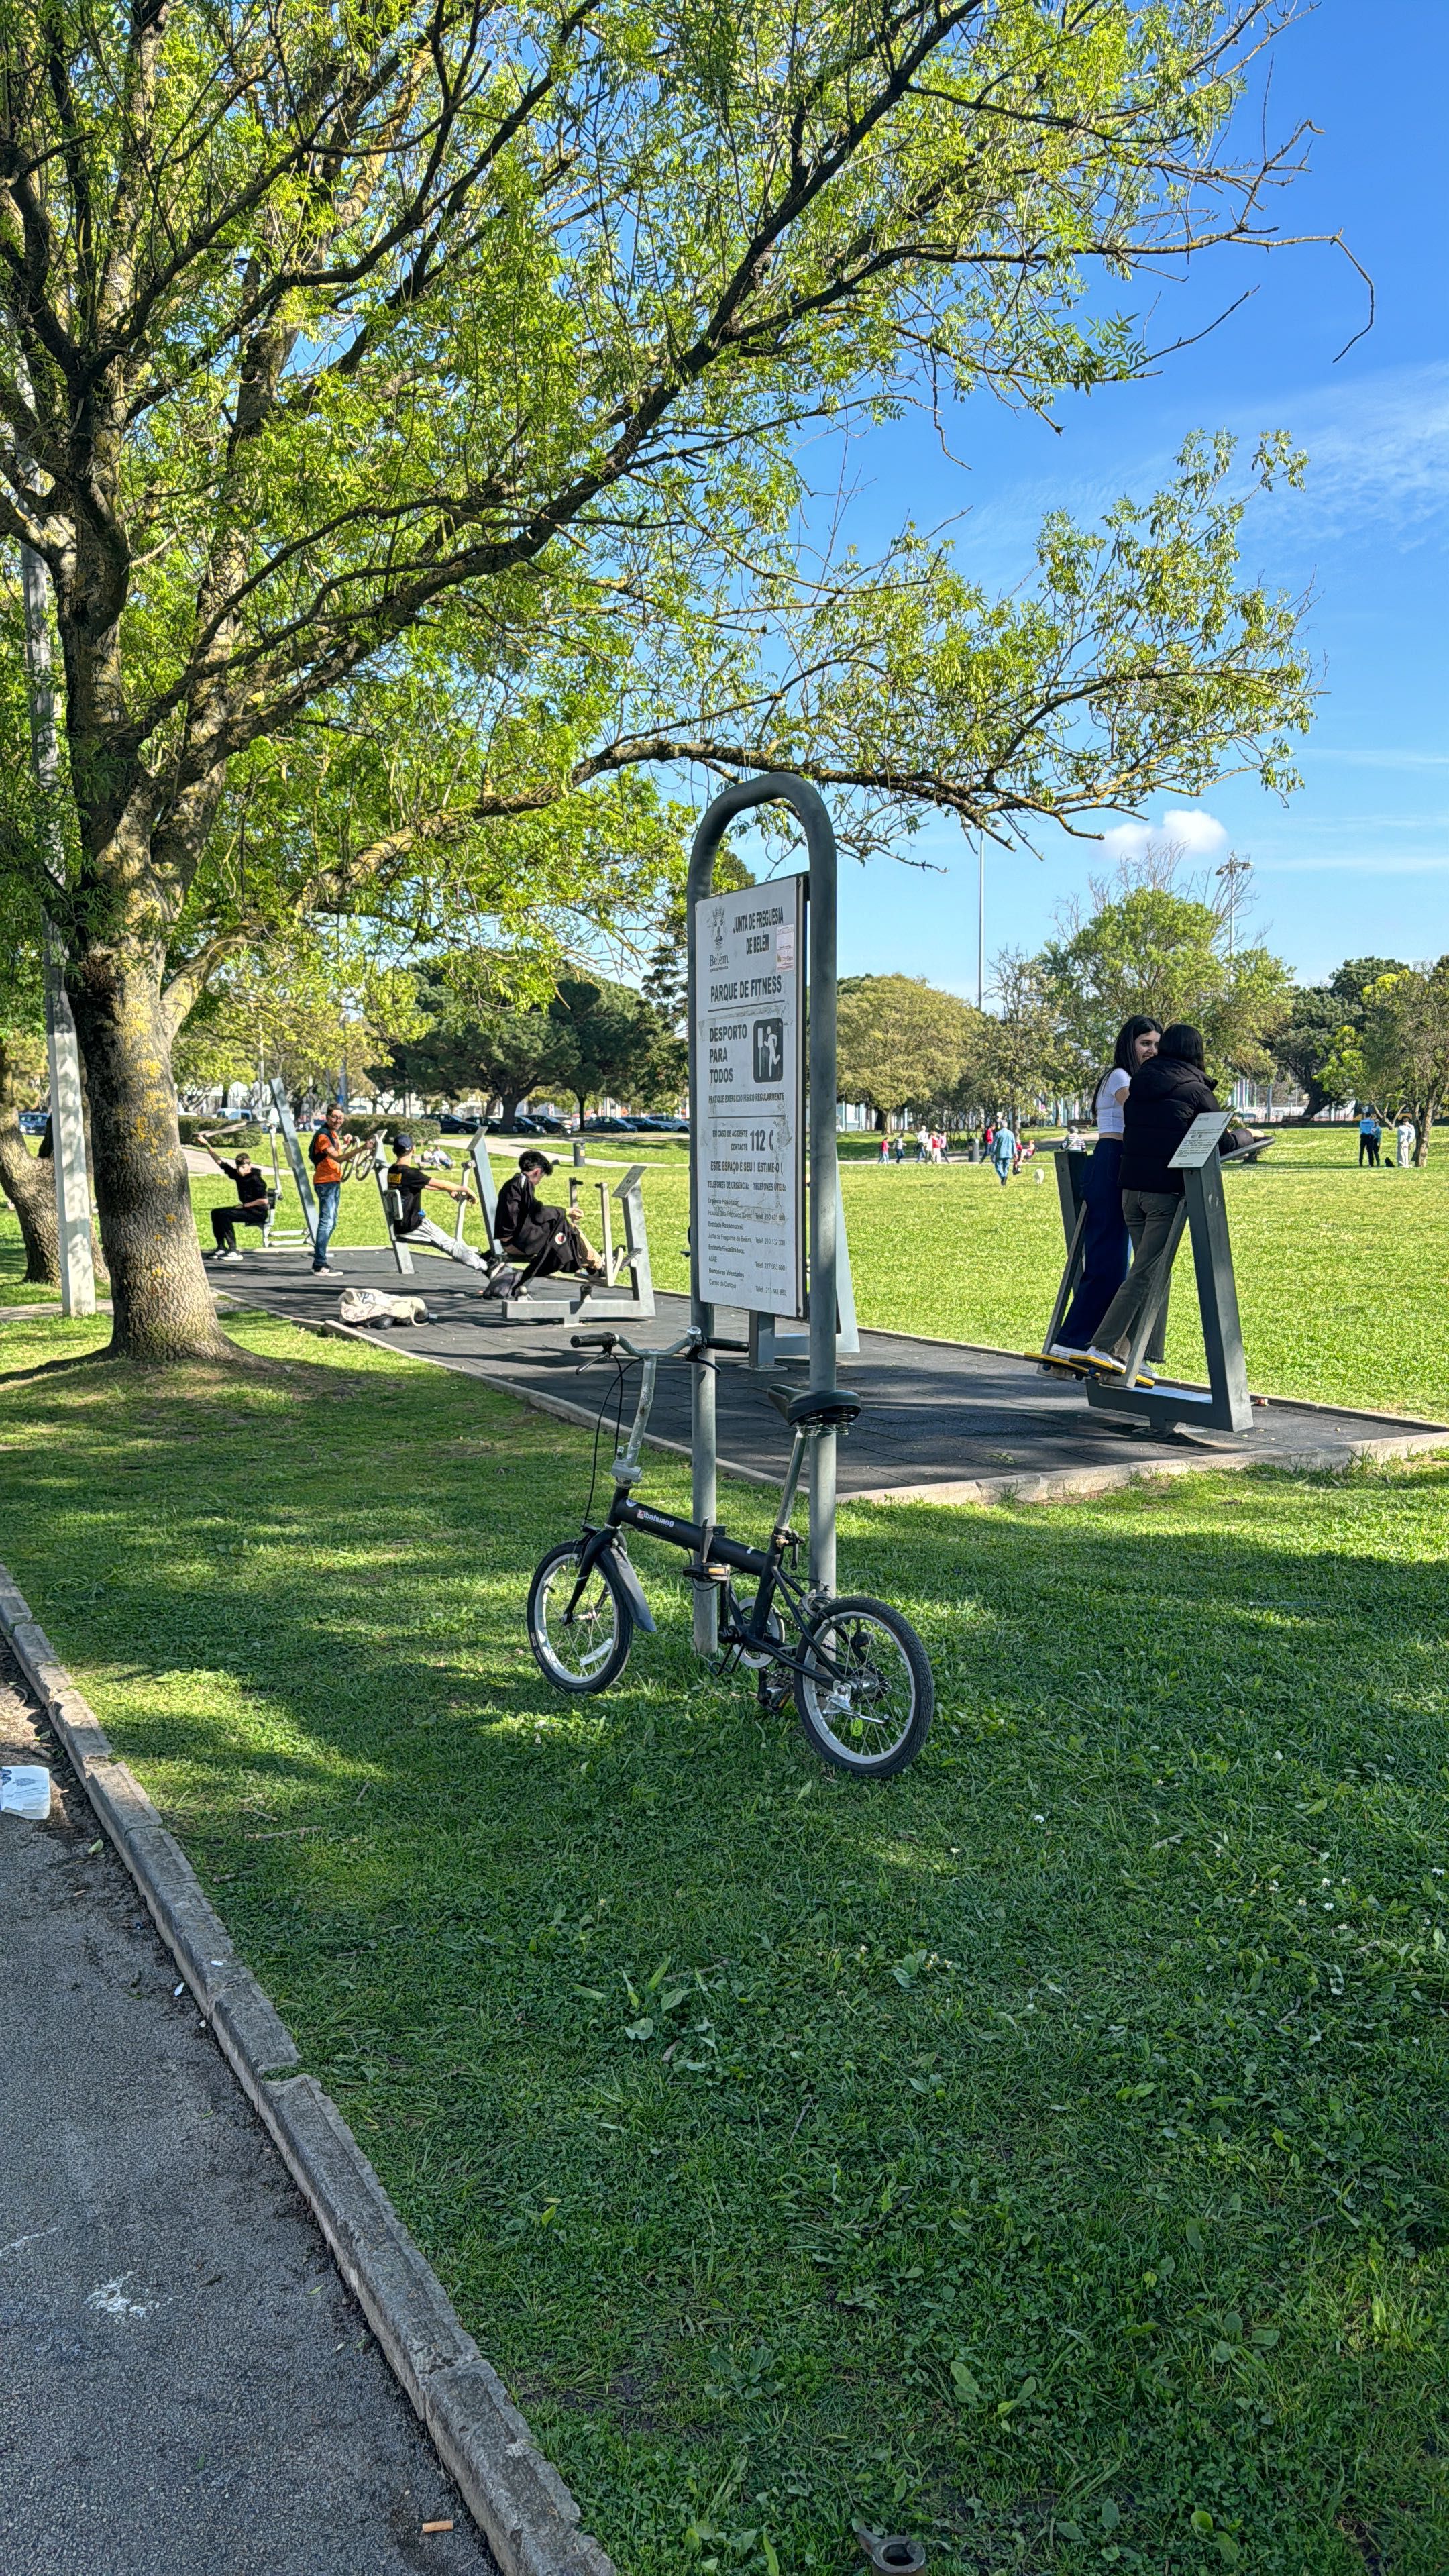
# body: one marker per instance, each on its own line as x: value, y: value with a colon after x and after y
x: 620, y: 1368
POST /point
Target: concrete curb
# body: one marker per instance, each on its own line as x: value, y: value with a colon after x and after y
x: 1080, y: 1484
x: 514, y: 2494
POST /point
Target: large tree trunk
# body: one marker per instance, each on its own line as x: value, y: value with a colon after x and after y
x: 30, y: 1187
x: 159, y: 1288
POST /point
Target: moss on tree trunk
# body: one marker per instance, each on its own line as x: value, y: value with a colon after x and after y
x: 161, y: 1295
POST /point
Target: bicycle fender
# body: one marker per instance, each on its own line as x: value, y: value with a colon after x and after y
x: 633, y: 1591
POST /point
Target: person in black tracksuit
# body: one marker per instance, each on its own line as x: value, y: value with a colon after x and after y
x: 545, y: 1239
x: 1167, y: 1094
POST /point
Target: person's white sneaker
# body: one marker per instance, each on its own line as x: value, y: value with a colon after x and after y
x: 1066, y: 1351
x: 230, y: 1256
x: 1106, y: 1360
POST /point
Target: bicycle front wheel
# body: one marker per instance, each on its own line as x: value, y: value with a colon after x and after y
x: 866, y: 1694
x: 584, y: 1648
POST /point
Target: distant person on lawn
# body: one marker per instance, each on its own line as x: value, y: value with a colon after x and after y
x: 1003, y: 1153
x: 1167, y: 1093
x: 1405, y: 1139
x: 252, y: 1208
x: 1369, y: 1132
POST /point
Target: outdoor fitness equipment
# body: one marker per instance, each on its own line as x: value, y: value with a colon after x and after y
x: 280, y: 1120
x: 1224, y: 1404
x: 563, y: 1296
x: 859, y: 1675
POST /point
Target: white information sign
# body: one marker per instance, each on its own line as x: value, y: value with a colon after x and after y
x: 1201, y: 1141
x: 749, y: 1110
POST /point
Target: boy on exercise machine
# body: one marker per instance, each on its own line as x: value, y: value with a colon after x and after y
x: 411, y: 1226
x: 253, y: 1205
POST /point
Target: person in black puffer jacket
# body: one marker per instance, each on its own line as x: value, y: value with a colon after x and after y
x: 1167, y: 1094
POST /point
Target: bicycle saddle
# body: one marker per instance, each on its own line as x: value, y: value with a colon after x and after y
x: 834, y: 1406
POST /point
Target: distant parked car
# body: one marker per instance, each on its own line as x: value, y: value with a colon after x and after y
x: 663, y: 1126
x: 455, y: 1126
x: 34, y: 1122
x: 543, y: 1126
x: 610, y: 1126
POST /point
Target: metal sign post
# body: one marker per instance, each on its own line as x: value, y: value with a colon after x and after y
x: 773, y: 787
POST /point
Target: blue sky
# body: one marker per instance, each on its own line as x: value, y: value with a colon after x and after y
x: 1359, y: 860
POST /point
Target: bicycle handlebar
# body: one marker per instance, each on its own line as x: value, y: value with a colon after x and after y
x: 693, y: 1342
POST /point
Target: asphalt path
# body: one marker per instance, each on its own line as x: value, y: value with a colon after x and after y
x: 942, y: 1420
x: 185, y: 2384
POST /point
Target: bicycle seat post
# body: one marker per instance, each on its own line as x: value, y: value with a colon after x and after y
x: 790, y: 1486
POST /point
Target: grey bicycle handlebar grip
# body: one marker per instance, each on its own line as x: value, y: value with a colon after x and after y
x: 593, y: 1341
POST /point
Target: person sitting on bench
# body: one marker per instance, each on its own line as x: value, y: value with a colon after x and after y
x: 545, y: 1239
x: 410, y: 1225
x: 253, y: 1204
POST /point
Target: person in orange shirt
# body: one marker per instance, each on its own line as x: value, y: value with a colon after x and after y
x: 331, y: 1153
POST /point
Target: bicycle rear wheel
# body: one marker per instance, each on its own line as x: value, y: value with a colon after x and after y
x: 586, y: 1649
x: 866, y: 1695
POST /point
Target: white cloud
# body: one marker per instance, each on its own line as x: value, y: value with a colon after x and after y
x: 1186, y: 827
x: 1378, y: 452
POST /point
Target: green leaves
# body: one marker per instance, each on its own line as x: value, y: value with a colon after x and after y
x: 1155, y: 943
x: 901, y: 1042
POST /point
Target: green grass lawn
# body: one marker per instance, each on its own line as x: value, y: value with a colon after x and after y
x: 1043, y: 2153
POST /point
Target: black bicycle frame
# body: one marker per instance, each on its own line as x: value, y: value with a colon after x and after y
x: 711, y: 1553
x: 708, y: 1548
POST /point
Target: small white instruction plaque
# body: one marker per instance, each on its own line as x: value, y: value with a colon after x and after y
x: 1201, y: 1141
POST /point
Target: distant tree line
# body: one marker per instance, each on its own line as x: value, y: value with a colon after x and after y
x: 592, y: 1039
x: 1377, y: 1030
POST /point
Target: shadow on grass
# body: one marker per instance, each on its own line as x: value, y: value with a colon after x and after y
x: 1059, y: 2122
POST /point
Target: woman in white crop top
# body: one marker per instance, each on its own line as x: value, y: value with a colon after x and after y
x: 1104, y: 1262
